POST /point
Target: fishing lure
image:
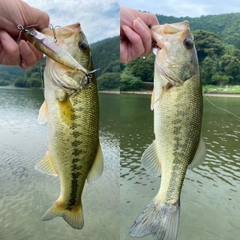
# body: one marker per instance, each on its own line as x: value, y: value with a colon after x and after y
x: 51, y: 49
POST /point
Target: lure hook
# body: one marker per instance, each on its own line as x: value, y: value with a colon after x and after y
x: 54, y: 32
x: 24, y: 29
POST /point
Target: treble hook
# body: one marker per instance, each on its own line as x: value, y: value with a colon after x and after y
x: 54, y: 32
x: 23, y: 29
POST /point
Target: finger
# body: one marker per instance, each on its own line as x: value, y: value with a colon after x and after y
x: 9, y: 54
x: 135, y: 46
x: 34, y: 16
x: 38, y: 54
x: 123, y: 51
x: 144, y: 32
x: 41, y: 18
x: 29, y: 57
x: 149, y: 19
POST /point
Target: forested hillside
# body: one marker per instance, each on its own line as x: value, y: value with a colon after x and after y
x: 217, y: 39
x: 106, y: 57
x: 226, y: 26
x: 107, y: 62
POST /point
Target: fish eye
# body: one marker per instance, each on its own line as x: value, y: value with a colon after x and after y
x: 83, y: 45
x: 188, y: 43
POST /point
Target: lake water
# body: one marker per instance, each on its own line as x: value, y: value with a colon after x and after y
x: 210, y: 195
x: 25, y: 194
x: 210, y: 199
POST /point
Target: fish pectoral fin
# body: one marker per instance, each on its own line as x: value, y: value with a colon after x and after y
x: 150, y: 160
x: 97, y: 167
x: 74, y: 216
x: 43, y: 113
x: 46, y: 166
x: 200, y: 155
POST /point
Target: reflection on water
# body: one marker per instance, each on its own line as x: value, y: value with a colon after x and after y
x: 25, y: 194
x: 210, y: 196
x: 211, y: 192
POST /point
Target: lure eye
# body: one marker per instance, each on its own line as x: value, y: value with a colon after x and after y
x: 188, y: 43
x: 32, y: 33
x: 83, y: 46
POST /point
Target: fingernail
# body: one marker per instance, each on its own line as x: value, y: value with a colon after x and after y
x: 139, y: 25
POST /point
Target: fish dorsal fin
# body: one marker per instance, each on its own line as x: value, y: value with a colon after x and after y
x: 200, y: 155
x: 46, y: 165
x: 43, y: 113
x: 152, y: 100
x: 97, y: 167
x: 150, y: 160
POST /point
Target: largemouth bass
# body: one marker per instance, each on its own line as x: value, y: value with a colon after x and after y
x: 177, y: 104
x: 71, y: 113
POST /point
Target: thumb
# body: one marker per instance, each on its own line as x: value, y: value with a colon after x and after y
x: 40, y: 18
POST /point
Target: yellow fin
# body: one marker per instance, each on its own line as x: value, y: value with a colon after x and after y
x: 46, y: 166
x: 97, y: 167
x: 152, y: 100
x: 74, y: 216
x: 150, y: 160
x: 43, y: 115
x: 200, y: 155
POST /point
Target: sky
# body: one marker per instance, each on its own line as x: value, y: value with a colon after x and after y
x: 183, y: 8
x: 99, y: 19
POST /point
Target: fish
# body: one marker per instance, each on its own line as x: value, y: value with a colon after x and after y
x: 177, y: 102
x: 71, y: 112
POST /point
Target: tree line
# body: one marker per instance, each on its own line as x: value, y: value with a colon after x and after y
x: 217, y: 40
x: 106, y: 61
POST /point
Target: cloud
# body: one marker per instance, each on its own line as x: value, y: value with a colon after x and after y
x: 99, y: 19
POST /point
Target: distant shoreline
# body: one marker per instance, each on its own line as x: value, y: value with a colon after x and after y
x: 237, y: 95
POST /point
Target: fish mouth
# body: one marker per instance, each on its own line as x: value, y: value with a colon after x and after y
x: 163, y: 38
x: 164, y: 33
x: 65, y: 31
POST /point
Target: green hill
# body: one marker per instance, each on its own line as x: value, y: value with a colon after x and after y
x: 217, y: 40
x: 226, y: 26
x: 105, y: 57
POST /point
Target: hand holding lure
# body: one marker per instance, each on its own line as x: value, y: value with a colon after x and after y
x: 51, y: 49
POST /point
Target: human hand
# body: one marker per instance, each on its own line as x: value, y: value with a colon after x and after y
x: 13, y: 13
x: 135, y: 34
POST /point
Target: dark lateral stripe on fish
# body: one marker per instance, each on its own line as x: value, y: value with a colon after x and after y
x: 74, y: 193
x: 76, y: 143
x: 76, y: 134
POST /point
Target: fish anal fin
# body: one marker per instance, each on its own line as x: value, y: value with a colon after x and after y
x: 97, y: 167
x: 150, y: 160
x: 73, y: 216
x: 46, y: 165
x: 200, y: 155
x: 43, y: 113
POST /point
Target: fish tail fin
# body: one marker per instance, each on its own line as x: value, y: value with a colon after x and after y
x: 74, y: 216
x: 159, y: 219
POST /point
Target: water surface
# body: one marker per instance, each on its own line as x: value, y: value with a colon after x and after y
x: 210, y: 195
x: 25, y: 194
